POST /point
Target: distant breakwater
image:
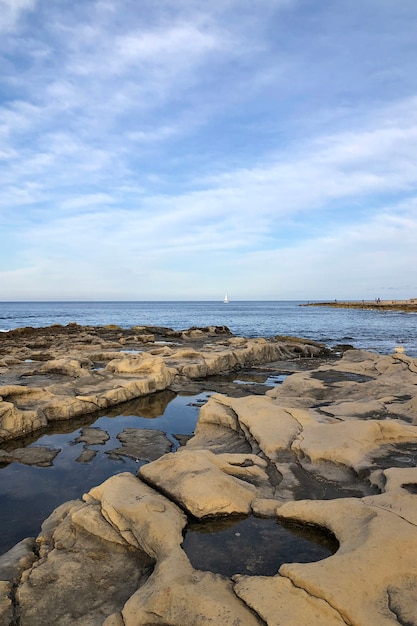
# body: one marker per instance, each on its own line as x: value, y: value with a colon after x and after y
x: 409, y: 306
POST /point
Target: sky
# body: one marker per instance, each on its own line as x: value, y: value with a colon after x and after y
x: 178, y: 149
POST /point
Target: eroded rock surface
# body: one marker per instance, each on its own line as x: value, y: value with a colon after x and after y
x: 141, y: 444
x: 116, y: 558
x: 59, y: 373
x: 36, y: 455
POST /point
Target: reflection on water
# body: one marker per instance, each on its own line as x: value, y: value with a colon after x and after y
x: 254, y: 546
x: 29, y: 494
x: 400, y: 455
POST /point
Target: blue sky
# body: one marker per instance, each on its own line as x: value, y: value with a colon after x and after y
x: 178, y: 149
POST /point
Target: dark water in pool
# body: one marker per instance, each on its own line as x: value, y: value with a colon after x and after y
x: 254, y: 546
x: 28, y: 494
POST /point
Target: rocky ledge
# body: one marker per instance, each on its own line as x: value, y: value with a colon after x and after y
x: 408, y: 306
x: 333, y: 447
x: 62, y: 372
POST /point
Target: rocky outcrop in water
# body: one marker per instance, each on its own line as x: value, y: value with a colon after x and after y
x: 334, y: 447
x: 59, y: 373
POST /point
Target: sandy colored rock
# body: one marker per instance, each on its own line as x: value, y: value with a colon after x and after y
x: 143, y: 517
x: 66, y: 366
x: 79, y: 370
x: 116, y: 557
x: 16, y: 560
x: 81, y: 578
x: 274, y: 428
x: 178, y: 595
x: 359, y: 377
x: 377, y: 559
x: 280, y: 603
x: 6, y: 607
x: 349, y: 443
x: 205, y: 483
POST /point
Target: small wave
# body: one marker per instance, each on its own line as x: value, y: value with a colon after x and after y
x: 4, y: 330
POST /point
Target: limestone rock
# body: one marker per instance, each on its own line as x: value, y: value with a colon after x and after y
x: 349, y: 443
x: 178, y: 595
x: 36, y: 455
x: 143, y: 518
x: 273, y: 428
x: 280, y: 603
x: 86, y: 456
x: 16, y: 560
x: 87, y: 371
x: 92, y: 436
x: 141, y: 444
x: 14, y: 421
x: 66, y: 366
x: 377, y: 558
x: 81, y: 577
x: 6, y: 606
x: 153, y: 368
x: 207, y: 484
x: 116, y: 557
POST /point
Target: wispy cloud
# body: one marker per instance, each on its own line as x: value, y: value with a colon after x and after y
x: 11, y: 11
x: 176, y: 144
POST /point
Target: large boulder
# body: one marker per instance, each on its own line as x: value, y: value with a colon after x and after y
x: 207, y: 484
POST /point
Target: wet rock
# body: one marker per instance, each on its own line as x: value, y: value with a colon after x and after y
x: 182, y: 439
x: 36, y: 455
x: 84, y: 369
x: 141, y: 444
x: 86, y: 456
x: 92, y: 436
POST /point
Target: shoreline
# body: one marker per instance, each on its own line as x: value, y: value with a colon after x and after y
x: 408, y: 306
x: 333, y: 445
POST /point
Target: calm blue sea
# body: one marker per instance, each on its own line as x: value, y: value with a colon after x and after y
x: 379, y: 331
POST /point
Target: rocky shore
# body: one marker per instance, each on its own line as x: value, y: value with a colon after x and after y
x: 332, y: 449
x: 62, y: 372
x: 408, y: 306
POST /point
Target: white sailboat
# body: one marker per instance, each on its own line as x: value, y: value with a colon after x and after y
x: 226, y: 298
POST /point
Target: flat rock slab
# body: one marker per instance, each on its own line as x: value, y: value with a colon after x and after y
x: 80, y: 370
x: 207, y: 484
x: 86, y: 456
x: 141, y: 444
x: 37, y: 455
x: 92, y: 436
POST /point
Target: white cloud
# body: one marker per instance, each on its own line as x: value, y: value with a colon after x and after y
x: 168, y: 51
x: 11, y: 11
x: 171, y: 142
x: 86, y: 201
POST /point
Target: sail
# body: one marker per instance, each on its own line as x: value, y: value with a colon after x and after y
x: 226, y: 298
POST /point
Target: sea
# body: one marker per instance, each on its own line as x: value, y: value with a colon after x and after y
x: 369, y: 329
